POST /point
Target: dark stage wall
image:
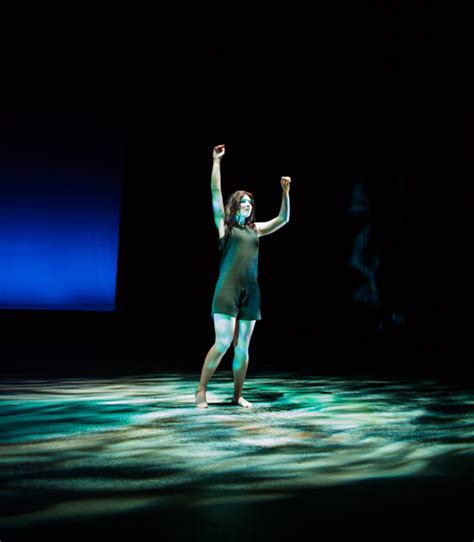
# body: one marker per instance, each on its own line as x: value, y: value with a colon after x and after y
x: 394, y: 119
x: 391, y: 116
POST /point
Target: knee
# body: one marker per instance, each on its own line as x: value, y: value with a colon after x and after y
x: 222, y: 345
x: 241, y: 350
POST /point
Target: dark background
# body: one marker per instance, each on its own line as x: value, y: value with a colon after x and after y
x: 382, y: 96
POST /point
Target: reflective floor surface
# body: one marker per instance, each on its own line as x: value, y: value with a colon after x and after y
x: 338, y: 455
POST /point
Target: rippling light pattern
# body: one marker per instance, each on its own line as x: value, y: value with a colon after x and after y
x: 89, y: 447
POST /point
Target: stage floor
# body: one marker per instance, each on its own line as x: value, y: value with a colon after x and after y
x: 338, y: 455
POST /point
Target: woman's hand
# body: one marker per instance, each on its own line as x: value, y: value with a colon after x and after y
x: 218, y: 152
x: 285, y: 184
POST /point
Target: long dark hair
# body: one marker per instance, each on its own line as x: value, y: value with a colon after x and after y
x: 232, y: 208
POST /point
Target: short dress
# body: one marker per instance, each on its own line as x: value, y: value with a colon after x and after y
x: 237, y: 292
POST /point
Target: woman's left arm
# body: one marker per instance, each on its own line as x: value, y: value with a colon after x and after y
x: 265, y: 228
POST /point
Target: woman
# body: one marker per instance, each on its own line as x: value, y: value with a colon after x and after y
x: 236, y: 302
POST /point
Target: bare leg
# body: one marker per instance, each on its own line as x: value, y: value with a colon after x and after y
x: 239, y: 366
x: 224, y: 326
x: 241, y: 360
x: 211, y: 363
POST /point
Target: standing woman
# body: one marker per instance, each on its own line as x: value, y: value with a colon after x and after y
x: 236, y: 302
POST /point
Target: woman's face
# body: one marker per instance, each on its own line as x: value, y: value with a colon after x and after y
x: 245, y: 206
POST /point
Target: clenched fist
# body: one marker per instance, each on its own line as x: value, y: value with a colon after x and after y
x: 218, y: 152
x: 285, y: 183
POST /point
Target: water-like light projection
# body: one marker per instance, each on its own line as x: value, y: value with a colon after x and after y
x: 86, y: 447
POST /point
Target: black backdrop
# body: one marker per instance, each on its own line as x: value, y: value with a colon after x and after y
x: 325, y: 112
x: 376, y: 112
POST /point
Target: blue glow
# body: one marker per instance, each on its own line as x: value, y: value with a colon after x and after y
x: 59, y: 235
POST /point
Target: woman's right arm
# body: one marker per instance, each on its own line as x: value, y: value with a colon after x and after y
x: 217, y: 201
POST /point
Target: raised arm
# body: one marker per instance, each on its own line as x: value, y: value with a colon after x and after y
x: 265, y: 228
x: 217, y: 201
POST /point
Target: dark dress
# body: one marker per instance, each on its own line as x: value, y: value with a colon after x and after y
x: 237, y: 292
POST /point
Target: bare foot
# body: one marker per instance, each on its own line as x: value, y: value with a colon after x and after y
x: 200, y: 397
x: 242, y: 402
